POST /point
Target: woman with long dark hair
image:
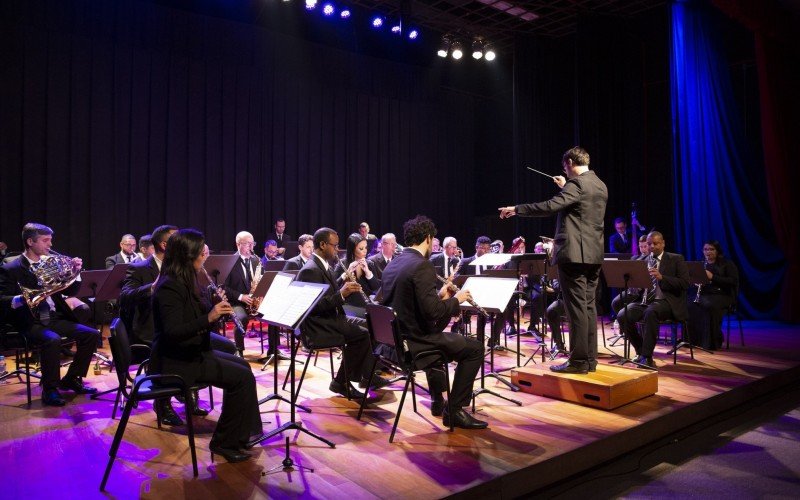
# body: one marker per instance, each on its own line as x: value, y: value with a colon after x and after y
x: 182, y: 317
x: 708, y: 309
x: 364, y: 270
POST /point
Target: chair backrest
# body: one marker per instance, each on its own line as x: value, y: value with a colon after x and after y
x: 120, y: 350
x: 381, y: 323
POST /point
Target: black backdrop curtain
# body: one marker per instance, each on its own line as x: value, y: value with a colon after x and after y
x: 120, y: 116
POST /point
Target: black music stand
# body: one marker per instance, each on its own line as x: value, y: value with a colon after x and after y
x: 272, y: 265
x: 626, y: 274
x: 505, y: 273
x: 280, y: 313
x: 90, y: 283
x: 109, y: 290
x: 482, y: 339
x: 290, y: 249
x: 273, y: 333
x: 539, y: 265
x: 219, y: 267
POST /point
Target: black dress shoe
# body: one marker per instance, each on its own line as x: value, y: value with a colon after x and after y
x: 51, y: 397
x: 571, y: 367
x: 341, y: 389
x: 647, y: 361
x: 168, y: 415
x: 593, y: 367
x: 462, y: 419
x: 437, y: 407
x: 75, y: 384
x: 229, y: 454
x: 377, y: 383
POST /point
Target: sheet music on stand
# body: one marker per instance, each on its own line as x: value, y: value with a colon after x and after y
x: 288, y: 301
x: 492, y: 259
x: 493, y: 294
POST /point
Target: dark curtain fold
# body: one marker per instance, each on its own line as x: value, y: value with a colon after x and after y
x: 120, y: 116
x: 778, y: 58
x: 716, y: 196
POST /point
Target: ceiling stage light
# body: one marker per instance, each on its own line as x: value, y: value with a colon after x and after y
x: 457, y: 51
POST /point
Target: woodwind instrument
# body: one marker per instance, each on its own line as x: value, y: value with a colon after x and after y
x: 252, y: 309
x: 352, y: 278
x: 217, y: 291
x: 455, y: 289
x: 700, y: 285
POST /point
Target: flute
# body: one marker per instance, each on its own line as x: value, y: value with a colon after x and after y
x: 455, y: 289
x: 352, y: 277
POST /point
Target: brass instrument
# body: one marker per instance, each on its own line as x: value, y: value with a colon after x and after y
x: 352, y: 278
x: 455, y: 289
x: 252, y: 309
x: 220, y: 294
x: 54, y: 273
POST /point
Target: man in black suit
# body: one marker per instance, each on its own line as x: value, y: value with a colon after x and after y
x: 382, y: 258
x: 271, y: 252
x: 237, y: 285
x: 578, y: 251
x: 50, y: 321
x: 279, y: 236
x: 327, y: 324
x: 372, y: 240
x: 146, y: 248
x: 127, y: 253
x: 446, y: 262
x: 620, y: 241
x: 305, y: 244
x: 482, y: 247
x: 666, y: 299
x: 410, y: 288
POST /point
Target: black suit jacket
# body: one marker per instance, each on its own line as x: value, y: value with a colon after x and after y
x: 16, y: 273
x: 294, y: 264
x: 113, y: 260
x: 674, y: 283
x: 410, y: 288
x: 369, y: 286
x: 380, y: 263
x: 282, y: 242
x: 182, y: 331
x: 616, y: 245
x: 438, y: 262
x: 236, y: 283
x: 581, y: 208
x: 134, y: 299
x: 465, y: 269
x: 325, y: 324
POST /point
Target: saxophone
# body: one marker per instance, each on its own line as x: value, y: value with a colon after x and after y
x: 252, y: 309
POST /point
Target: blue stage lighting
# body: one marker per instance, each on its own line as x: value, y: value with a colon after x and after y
x: 413, y: 34
x: 396, y: 29
x: 328, y: 9
x: 311, y: 4
x: 345, y: 13
x: 377, y: 22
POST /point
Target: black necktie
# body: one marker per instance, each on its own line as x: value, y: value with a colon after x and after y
x: 247, y: 273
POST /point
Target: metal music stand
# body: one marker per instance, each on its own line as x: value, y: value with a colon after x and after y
x: 273, y: 265
x: 482, y: 339
x: 627, y: 274
x: 505, y: 273
x: 219, y: 267
x: 290, y: 250
x: 697, y: 276
x: 277, y: 321
x: 109, y: 290
x: 90, y: 283
x: 539, y: 265
x: 273, y: 333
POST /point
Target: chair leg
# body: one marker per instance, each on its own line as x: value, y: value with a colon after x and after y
x: 399, y: 409
x: 413, y: 391
x: 302, y: 377
x: 449, y: 399
x: 211, y: 397
x: 330, y: 353
x: 116, y: 403
x: 190, y: 432
x: 369, y: 384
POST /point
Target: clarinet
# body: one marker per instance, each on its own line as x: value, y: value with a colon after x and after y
x: 453, y: 288
x: 220, y: 294
x: 352, y: 277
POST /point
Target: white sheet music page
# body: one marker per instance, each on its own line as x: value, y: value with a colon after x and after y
x: 276, y: 300
x: 490, y: 293
x: 492, y: 259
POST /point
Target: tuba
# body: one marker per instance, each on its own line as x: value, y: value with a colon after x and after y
x: 54, y: 273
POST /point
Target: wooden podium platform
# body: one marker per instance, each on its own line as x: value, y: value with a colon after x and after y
x: 609, y: 387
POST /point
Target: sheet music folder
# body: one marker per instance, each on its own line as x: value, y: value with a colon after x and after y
x: 697, y: 273
x: 288, y: 302
x: 91, y: 281
x: 616, y: 271
x: 219, y: 267
x: 492, y: 294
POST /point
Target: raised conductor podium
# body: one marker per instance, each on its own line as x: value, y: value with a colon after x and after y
x: 609, y: 387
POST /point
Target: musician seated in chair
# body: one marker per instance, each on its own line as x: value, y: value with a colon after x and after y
x: 327, y: 323
x: 52, y: 319
x: 361, y: 269
x: 127, y: 253
x: 713, y: 299
x: 664, y: 300
x: 410, y: 287
x: 239, y: 283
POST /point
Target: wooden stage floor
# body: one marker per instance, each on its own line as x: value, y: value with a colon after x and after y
x: 62, y: 452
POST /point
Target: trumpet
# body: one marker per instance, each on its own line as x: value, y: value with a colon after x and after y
x: 455, y: 289
x: 217, y: 291
x: 252, y: 309
x: 352, y: 278
x: 54, y: 273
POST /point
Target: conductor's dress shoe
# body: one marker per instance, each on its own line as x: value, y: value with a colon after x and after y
x: 571, y: 367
